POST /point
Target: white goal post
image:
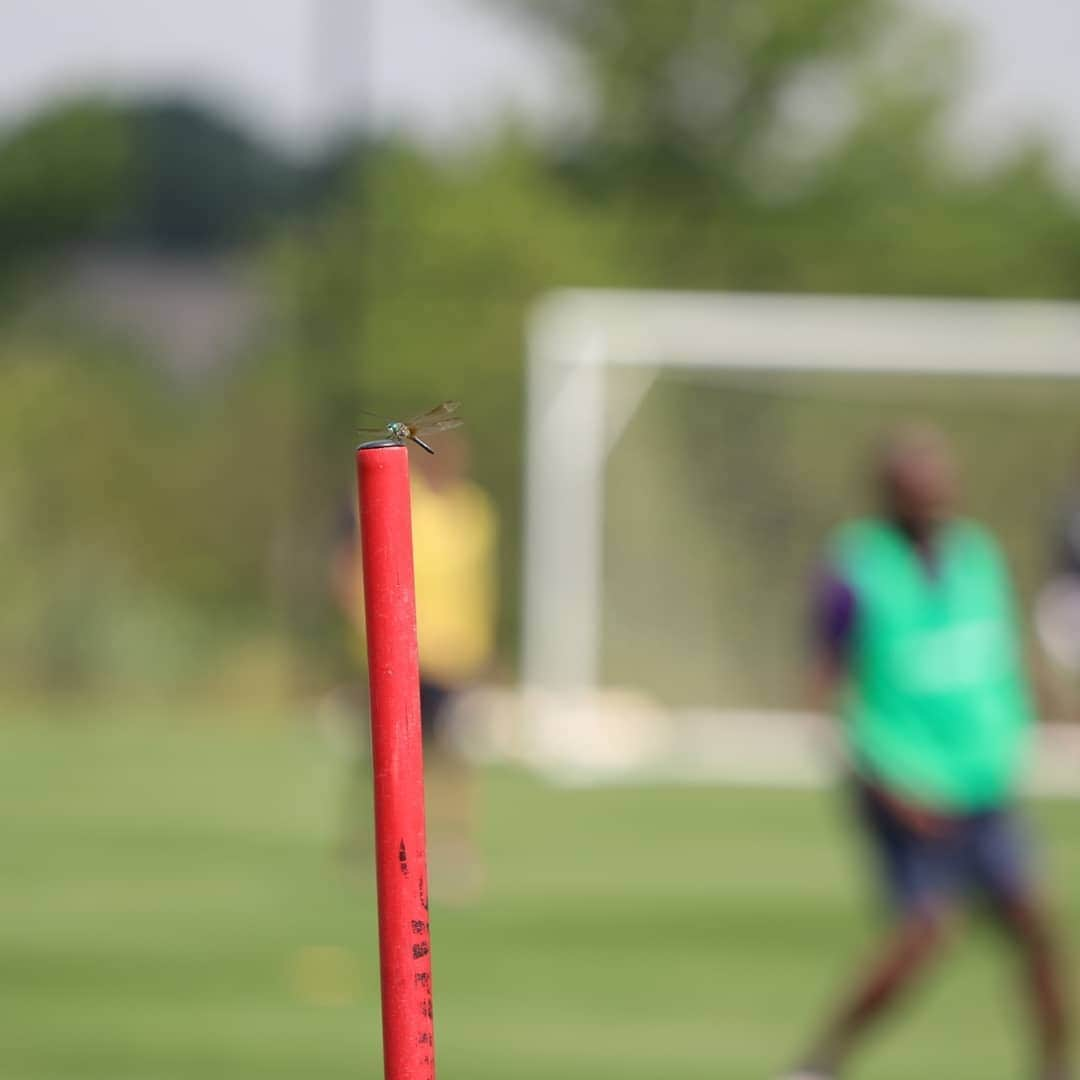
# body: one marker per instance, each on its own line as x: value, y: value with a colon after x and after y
x: 574, y: 417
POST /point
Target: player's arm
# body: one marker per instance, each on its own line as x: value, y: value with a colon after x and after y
x: 1049, y: 701
x: 824, y: 679
x: 833, y: 613
x: 345, y: 579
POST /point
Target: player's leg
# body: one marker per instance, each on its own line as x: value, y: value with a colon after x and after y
x: 905, y: 954
x: 454, y: 858
x: 916, y: 874
x: 1003, y: 867
x: 1044, y: 983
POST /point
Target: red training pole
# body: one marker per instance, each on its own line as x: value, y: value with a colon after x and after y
x: 382, y: 471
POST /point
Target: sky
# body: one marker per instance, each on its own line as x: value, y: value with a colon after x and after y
x: 443, y: 68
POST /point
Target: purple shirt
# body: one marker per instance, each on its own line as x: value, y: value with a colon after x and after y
x: 834, y: 611
x: 836, y: 605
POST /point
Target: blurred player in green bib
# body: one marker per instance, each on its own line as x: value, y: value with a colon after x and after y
x: 918, y: 649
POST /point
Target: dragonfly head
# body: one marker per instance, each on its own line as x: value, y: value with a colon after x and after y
x: 397, y: 430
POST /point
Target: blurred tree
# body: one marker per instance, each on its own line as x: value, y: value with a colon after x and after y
x: 203, y: 181
x: 165, y: 175
x: 64, y: 174
x: 766, y: 144
x: 688, y: 92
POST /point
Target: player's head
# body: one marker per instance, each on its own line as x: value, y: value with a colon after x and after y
x: 916, y: 476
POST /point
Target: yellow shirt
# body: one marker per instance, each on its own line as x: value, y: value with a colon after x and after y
x: 454, y: 536
x: 454, y: 541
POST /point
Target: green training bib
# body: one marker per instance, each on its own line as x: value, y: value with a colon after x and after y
x: 938, y: 706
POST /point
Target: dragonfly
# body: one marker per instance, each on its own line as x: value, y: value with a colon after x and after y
x: 441, y: 418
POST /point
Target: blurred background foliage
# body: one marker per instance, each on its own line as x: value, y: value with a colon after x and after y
x: 166, y: 523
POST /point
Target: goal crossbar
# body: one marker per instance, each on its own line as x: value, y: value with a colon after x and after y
x: 575, y: 337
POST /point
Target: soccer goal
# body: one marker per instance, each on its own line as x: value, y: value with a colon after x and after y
x: 687, y: 455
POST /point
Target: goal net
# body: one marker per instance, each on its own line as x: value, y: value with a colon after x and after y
x: 688, y: 456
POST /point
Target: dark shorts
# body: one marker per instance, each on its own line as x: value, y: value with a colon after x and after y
x: 985, y: 855
x: 434, y: 699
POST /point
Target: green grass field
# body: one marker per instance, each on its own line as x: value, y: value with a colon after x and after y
x: 172, y: 909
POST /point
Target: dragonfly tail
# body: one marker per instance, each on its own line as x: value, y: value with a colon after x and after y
x: 423, y: 445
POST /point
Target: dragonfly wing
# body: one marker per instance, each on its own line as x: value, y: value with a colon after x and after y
x: 440, y: 425
x: 433, y: 416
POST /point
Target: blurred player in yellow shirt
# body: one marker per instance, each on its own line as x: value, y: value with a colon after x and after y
x: 454, y: 537
x: 455, y: 533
